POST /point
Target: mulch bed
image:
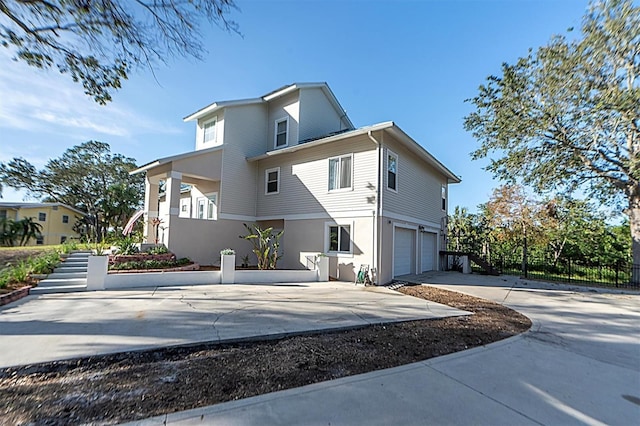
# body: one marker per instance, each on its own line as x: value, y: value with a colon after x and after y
x: 135, y: 385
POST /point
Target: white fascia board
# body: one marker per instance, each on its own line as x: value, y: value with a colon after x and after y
x: 291, y: 88
x: 166, y: 160
x: 294, y: 148
x: 219, y: 105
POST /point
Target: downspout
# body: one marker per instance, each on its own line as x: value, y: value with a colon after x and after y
x: 377, y: 224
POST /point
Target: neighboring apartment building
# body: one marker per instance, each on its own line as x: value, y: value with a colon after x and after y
x: 293, y: 160
x: 57, y: 220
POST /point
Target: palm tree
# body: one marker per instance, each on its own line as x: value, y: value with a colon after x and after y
x: 28, y: 230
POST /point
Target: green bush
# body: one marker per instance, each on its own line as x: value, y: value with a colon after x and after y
x: 20, y: 272
x: 127, y: 246
x: 158, y: 250
x: 150, y: 264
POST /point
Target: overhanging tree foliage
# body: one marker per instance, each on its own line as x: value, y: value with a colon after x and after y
x: 87, y: 177
x: 98, y: 42
x: 567, y: 116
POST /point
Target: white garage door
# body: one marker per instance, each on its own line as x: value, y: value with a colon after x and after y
x: 428, y: 255
x: 403, y: 252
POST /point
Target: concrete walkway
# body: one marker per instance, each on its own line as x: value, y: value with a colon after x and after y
x: 580, y: 364
x: 59, y: 326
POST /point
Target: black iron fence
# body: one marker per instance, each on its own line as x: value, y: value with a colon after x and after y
x: 619, y: 274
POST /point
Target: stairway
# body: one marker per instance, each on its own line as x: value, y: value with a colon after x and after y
x: 486, y: 266
x: 69, y: 276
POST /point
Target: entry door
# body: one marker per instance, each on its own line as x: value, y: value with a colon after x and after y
x: 404, y: 252
x: 428, y: 256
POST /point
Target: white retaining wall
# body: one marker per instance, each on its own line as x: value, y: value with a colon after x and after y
x: 99, y: 279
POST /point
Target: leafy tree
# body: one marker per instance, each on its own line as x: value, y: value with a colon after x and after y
x: 87, y: 177
x: 265, y: 245
x: 567, y: 116
x: 99, y: 42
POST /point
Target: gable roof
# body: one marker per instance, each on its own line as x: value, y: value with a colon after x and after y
x: 16, y: 206
x: 282, y: 91
x: 165, y: 160
x: 388, y: 126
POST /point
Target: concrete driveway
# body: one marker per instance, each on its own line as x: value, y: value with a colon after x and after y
x: 579, y: 364
x: 59, y: 326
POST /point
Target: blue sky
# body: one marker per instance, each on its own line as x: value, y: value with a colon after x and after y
x: 411, y: 62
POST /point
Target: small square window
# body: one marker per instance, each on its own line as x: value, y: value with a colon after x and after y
x: 340, y: 172
x: 282, y: 132
x: 63, y: 239
x: 42, y: 217
x: 40, y: 240
x: 65, y: 218
x: 340, y: 238
x: 392, y: 171
x: 272, y: 181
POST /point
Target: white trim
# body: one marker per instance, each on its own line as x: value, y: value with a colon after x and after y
x: 266, y: 181
x: 173, y: 175
x: 275, y: 133
x: 327, y: 231
x: 390, y: 215
x: 340, y: 157
x: 305, y: 216
x: 392, y: 154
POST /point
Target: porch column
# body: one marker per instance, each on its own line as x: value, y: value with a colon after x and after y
x: 150, y: 207
x: 173, y: 181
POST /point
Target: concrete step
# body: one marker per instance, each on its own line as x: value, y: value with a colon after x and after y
x: 70, y: 269
x: 60, y: 289
x: 66, y: 275
x: 52, y: 282
x: 72, y: 264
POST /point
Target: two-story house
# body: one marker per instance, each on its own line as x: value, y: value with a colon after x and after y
x: 293, y: 160
x: 57, y: 220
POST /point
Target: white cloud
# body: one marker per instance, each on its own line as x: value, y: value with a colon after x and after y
x: 46, y: 101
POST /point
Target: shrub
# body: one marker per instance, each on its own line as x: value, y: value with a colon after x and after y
x: 127, y: 246
x: 150, y: 264
x: 227, y: 252
x: 158, y: 250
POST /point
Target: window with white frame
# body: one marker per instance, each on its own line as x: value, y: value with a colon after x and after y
x: 282, y: 132
x: 185, y: 207
x: 339, y: 238
x: 340, y: 172
x: 207, y: 207
x: 444, y: 197
x: 272, y: 180
x: 392, y: 171
x: 209, y: 131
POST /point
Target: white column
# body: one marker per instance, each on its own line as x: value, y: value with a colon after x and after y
x: 322, y: 266
x: 97, y: 272
x: 228, y: 268
x: 150, y: 208
x: 172, y: 197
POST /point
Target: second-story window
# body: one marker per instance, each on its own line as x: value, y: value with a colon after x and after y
x: 444, y: 197
x: 392, y: 171
x: 209, y: 131
x: 340, y: 172
x: 282, y: 132
x: 272, y: 181
x: 42, y: 217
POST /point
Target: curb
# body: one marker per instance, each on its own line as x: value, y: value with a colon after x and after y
x: 14, y: 295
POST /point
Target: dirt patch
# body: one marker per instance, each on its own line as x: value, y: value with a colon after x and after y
x: 11, y: 256
x: 135, y: 385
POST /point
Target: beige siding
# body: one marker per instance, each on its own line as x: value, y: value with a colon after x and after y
x: 287, y: 106
x: 311, y: 235
x: 304, y: 180
x: 318, y: 117
x: 244, y: 137
x: 53, y: 229
x: 418, y: 186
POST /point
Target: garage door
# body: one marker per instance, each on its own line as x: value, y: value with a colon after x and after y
x: 428, y: 255
x: 403, y: 252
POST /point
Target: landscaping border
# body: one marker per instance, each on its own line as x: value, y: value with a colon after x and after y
x: 14, y: 295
